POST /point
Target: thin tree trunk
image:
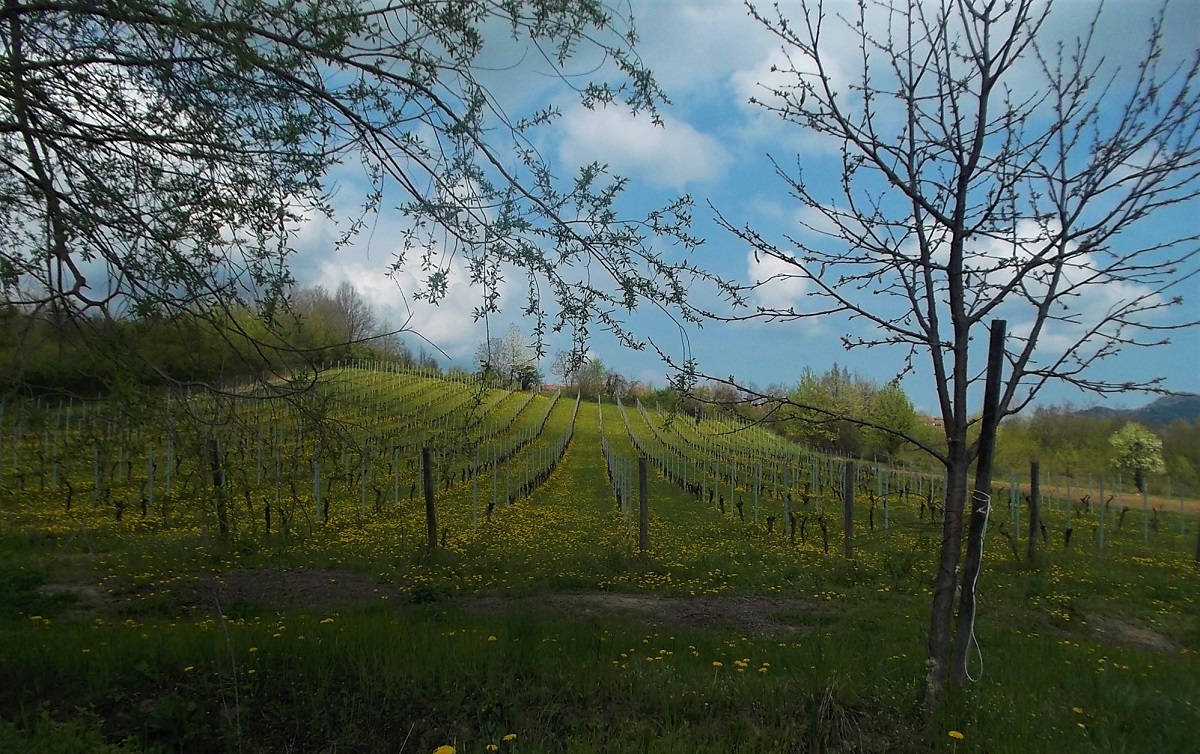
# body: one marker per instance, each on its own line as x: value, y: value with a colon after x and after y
x: 940, y: 636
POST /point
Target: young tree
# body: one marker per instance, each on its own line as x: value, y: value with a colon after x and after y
x: 987, y: 173
x: 1137, y: 451
x: 510, y: 358
x: 161, y: 155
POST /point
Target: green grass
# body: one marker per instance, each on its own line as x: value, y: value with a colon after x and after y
x: 545, y: 621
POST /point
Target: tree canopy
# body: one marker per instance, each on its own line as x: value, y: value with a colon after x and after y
x: 160, y: 156
x: 1137, y: 451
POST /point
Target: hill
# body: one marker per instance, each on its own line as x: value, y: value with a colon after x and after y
x: 1161, y: 412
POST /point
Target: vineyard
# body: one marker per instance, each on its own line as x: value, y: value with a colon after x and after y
x: 396, y: 561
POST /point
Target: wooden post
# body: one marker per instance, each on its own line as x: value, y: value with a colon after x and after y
x: 430, y: 513
x: 218, y: 480
x: 1198, y: 547
x: 643, y: 508
x: 848, y: 508
x: 1035, y: 502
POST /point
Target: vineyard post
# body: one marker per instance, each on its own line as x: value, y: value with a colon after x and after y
x: 475, y: 490
x: 218, y: 481
x: 848, y: 508
x: 317, y: 486
x: 1035, y: 501
x: 150, y: 474
x: 1181, y: 519
x: 95, y: 473
x: 1100, y: 502
x: 1145, y: 515
x: 430, y: 513
x: 732, y: 482
x: 643, y: 508
x: 1198, y: 547
x: 757, y: 487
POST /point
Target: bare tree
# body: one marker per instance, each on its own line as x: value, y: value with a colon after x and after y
x: 987, y: 173
x: 358, y: 318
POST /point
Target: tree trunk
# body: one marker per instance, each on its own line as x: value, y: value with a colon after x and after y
x: 981, y: 503
x: 940, y: 636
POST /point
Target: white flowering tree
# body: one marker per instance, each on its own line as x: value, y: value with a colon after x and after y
x: 1137, y: 451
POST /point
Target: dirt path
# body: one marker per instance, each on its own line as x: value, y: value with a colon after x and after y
x: 321, y: 590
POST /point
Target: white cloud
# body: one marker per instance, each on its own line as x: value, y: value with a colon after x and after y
x: 669, y: 156
x: 779, y: 284
x: 691, y: 45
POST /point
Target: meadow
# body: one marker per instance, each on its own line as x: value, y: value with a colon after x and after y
x: 239, y: 573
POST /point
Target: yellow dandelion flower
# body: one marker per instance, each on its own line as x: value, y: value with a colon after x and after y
x: 491, y: 747
x: 509, y: 737
x: 1077, y: 710
x: 444, y: 750
x: 957, y: 735
x: 718, y: 664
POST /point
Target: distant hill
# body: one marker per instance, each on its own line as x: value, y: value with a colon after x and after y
x: 1160, y: 413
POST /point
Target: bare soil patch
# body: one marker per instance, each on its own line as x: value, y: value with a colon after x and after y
x: 317, y: 589
x: 323, y: 589
x: 759, y: 615
x: 1130, y: 633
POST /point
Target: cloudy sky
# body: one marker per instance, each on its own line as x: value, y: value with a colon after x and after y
x: 712, y: 58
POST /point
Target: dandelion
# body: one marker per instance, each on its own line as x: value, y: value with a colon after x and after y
x: 491, y: 638
x: 491, y: 747
x: 330, y: 620
x: 444, y: 750
x: 1077, y: 710
x: 718, y: 664
x: 509, y: 737
x: 957, y: 735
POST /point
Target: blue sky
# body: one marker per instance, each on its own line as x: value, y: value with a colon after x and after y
x: 710, y: 57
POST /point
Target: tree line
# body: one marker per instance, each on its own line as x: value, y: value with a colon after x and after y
x: 44, y: 352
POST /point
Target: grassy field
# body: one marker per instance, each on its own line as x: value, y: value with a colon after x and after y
x: 537, y: 624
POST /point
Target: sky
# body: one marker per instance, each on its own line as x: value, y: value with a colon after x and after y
x: 711, y: 58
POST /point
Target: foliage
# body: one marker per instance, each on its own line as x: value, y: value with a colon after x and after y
x: 161, y: 157
x: 60, y: 355
x: 838, y: 402
x: 1138, y: 451
x: 1077, y: 446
